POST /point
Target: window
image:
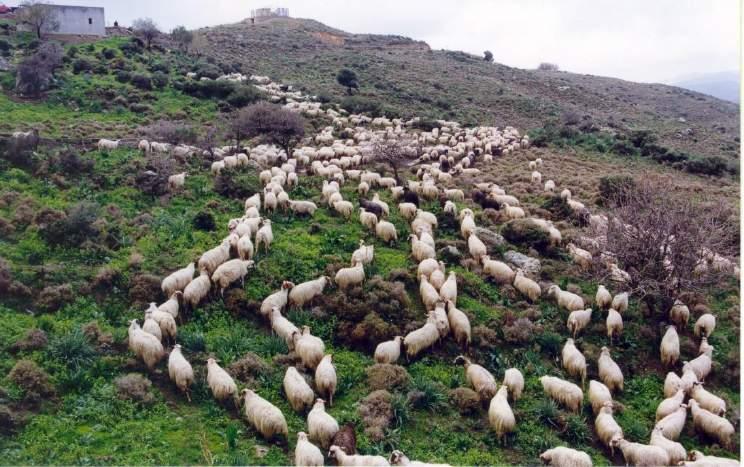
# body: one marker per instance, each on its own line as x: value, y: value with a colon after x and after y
x: 90, y: 20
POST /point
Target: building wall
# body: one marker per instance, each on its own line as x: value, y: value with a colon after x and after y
x: 79, y: 20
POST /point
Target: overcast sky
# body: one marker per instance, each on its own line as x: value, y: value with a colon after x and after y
x: 639, y: 40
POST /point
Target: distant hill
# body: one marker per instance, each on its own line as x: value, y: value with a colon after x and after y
x: 723, y: 85
x: 406, y: 77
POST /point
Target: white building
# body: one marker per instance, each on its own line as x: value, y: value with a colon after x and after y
x: 78, y: 20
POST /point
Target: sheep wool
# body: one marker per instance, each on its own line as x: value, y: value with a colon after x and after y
x: 350, y: 277
x: 598, y: 395
x: 426, y: 267
x: 479, y: 378
x: 283, y: 327
x: 672, y: 384
x: 344, y: 459
x: 670, y: 404
x: 670, y: 346
x: 498, y: 270
x: 566, y: 457
x: 309, y: 348
x: 606, y: 427
x: 365, y: 254
x: 177, y: 280
x: 603, y: 299
x: 679, y: 313
x: 386, y: 231
x: 578, y: 320
x: 422, y: 338
x: 459, y: 324
x: 705, y: 325
x: 563, y: 392
x: 620, y: 302
x: 698, y: 459
x: 171, y: 305
x: 712, y: 425
x: 500, y: 414
x: 264, y: 236
x: 165, y: 320
x: 388, y: 351
x: 708, y: 400
x: 306, y: 453
x: 231, y: 271
x: 441, y: 320
x: 197, y: 290
x: 398, y: 458
x: 211, y: 259
x: 674, y: 449
x: 420, y: 250
x: 180, y: 371
x: 673, y: 424
x: 321, y: 426
x: 641, y: 454
x: 325, y: 378
x: 573, y: 360
x: 305, y: 292
x: 567, y: 300
x: 245, y: 247
x: 264, y: 416
x: 150, y: 326
x: 276, y: 300
x: 367, y: 219
x: 527, y: 286
x: 702, y: 364
x: 609, y: 371
x: 299, y: 394
x: 476, y: 247
x: 514, y: 380
x: 220, y: 382
x: 614, y: 323
x: 145, y: 346
x: 448, y: 291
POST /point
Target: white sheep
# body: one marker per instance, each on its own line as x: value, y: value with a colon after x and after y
x: 609, y: 371
x: 283, y: 327
x: 437, y: 277
x: 309, y: 348
x: 344, y: 459
x: 467, y: 225
x: 566, y: 194
x: 429, y: 294
x: 698, y: 459
x: 712, y: 425
x: 278, y: 299
x: 220, y: 382
x: 563, y: 392
x: 217, y: 167
x: 299, y: 394
x: 171, y: 305
x: 245, y: 247
x: 211, y: 259
x: 176, y: 181
x: 673, y: 424
x: 421, y: 250
x: 386, y: 231
x: 350, y: 277
x: 367, y: 219
x: 450, y: 208
x: 675, y: 450
x: 305, y: 292
x: 166, y: 322
x: 306, y: 453
x: 303, y: 208
x: 398, y: 458
x: 476, y: 247
x: 385, y: 208
x: 325, y: 378
x: 566, y: 457
x: 263, y: 416
x: 180, y: 371
x: 322, y: 427
x: 448, y: 291
x: 365, y: 254
x: 603, y: 299
x: 708, y: 400
x: 580, y: 256
x: 264, y: 236
x: 459, y: 324
x: 536, y: 177
x: 573, y: 361
x: 425, y: 236
x: 549, y: 186
x: 672, y: 384
x: 670, y: 404
x: 606, y: 427
x: 145, y: 345
x: 177, y: 280
x: 679, y: 313
x: 388, y: 351
x: 345, y: 208
x: 422, y: 338
x: 479, y: 378
x: 670, y: 346
x: 526, y: 286
x: 426, y: 267
x: 514, y: 380
x: 689, y: 378
x: 513, y: 212
x: 150, y: 326
x: 614, y: 324
x: 578, y: 320
x: 500, y: 414
x: 407, y: 211
x: 641, y: 454
x: 599, y: 394
x: 363, y: 188
x: 441, y: 320
x: 702, y: 364
x: 144, y: 146
x: 229, y: 272
x: 499, y: 271
x: 705, y: 325
x: 197, y: 289
x: 620, y: 302
x: 107, y: 144
x: 427, y: 217
x: 565, y: 299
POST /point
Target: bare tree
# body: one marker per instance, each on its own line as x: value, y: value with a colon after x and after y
x: 666, y: 240
x: 182, y: 36
x: 36, y: 73
x: 171, y: 132
x: 146, y: 29
x: 545, y: 66
x: 270, y: 122
x: 391, y: 152
x: 39, y: 16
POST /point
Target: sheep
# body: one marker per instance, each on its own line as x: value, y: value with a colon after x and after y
x: 263, y: 416
x: 448, y: 291
x: 166, y: 322
x: 305, y: 292
x: 563, y: 392
x: 578, y: 320
x: 217, y: 167
x: 609, y: 371
x: 459, y: 324
x: 708, y: 400
x: 345, y: 438
x: 373, y: 208
x: 620, y: 302
x: 278, y: 299
x: 513, y: 212
x: 176, y: 181
x: 145, y: 345
x: 385, y: 208
x: 441, y: 320
x: 407, y: 211
x: 705, y: 325
x: 180, y: 371
x: 197, y: 289
x: 500, y: 414
x: 367, y: 219
x: 365, y: 254
x: 345, y: 208
x: 599, y: 394
x: 144, y: 146
x: 679, y: 313
x: 450, y: 208
x: 467, y: 225
x: 420, y: 250
x: 476, y: 247
x: 641, y: 454
x: 426, y: 267
x: 388, y: 351
x: 689, y: 378
x: 321, y: 425
x: 704, y: 346
x: 698, y: 459
x: 675, y: 450
x: 302, y: 208
x: 573, y: 360
x: 177, y: 280
x: 150, y: 326
x: 670, y: 346
x: 398, y: 458
x: 566, y: 194
x: 325, y: 378
x: 712, y: 425
x: 344, y: 459
x: 498, y: 270
x: 283, y: 327
x: 424, y: 235
x: 306, y: 453
x: 514, y: 380
x: 299, y: 394
x: 211, y: 259
x: 350, y: 277
x: 106, y: 144
x: 702, y: 364
x: 264, y: 236
x: 566, y: 457
x: 532, y: 165
x: 245, y: 247
x: 171, y: 305
x: 427, y: 217
x: 565, y: 299
x: 454, y: 195
x: 536, y: 177
x: 253, y: 201
x: 429, y: 294
x: 363, y: 188
x: 386, y: 231
x: 606, y: 427
x: 479, y: 378
x: 526, y: 286
x: 673, y: 424
x: 229, y: 272
x: 614, y: 324
x: 220, y: 382
x: 421, y: 338
x: 581, y: 257
x: 670, y: 404
x: 309, y: 348
x: 672, y: 384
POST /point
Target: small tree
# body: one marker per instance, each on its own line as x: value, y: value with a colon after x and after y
x: 392, y: 153
x: 39, y: 16
x: 347, y: 78
x: 146, y: 29
x: 35, y: 74
x: 545, y: 66
x: 488, y: 56
x: 182, y: 36
x: 171, y: 132
x: 270, y: 122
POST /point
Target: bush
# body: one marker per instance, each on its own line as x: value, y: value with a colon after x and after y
x: 108, y: 53
x: 54, y: 297
x: 387, y: 376
x: 70, y: 163
x: 376, y: 411
x: 80, y: 65
x: 358, y: 104
x: 35, y: 339
x: 140, y: 108
x: 159, y: 79
x: 522, y: 331
x: 32, y: 380
x: 248, y: 368
x: 546, y: 412
x: 612, y: 188
x: 545, y: 66
x: 244, y: 95
x: 135, y: 46
x: 427, y: 395
x: 204, y: 220
x: 714, y: 165
x: 141, y: 81
x: 123, y: 76
x: 558, y: 207
x: 236, y: 185
x: 134, y: 387
x: 73, y: 350
x: 207, y: 71
x: 550, y: 342
x: 425, y: 124
x: 207, y: 89
x: 576, y: 430
x: 526, y: 232
x: 77, y: 227
x: 5, y: 47
x: 170, y: 132
x: 193, y: 341
x: 35, y: 74
x: 465, y: 400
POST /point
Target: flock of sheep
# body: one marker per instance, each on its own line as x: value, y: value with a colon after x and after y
x: 441, y: 155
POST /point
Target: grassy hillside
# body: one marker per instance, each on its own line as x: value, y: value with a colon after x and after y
x: 84, y: 245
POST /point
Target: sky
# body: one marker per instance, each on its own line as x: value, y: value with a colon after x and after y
x: 639, y: 40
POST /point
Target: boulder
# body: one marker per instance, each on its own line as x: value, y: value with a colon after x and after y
x: 523, y: 262
x: 490, y: 238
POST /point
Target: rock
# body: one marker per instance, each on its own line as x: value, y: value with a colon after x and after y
x: 523, y: 262
x: 489, y: 237
x: 4, y: 64
x: 450, y: 254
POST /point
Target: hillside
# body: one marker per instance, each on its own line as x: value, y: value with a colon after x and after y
x: 723, y: 85
x: 409, y: 78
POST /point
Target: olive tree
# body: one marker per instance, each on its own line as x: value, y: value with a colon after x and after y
x: 39, y: 16
x: 146, y: 29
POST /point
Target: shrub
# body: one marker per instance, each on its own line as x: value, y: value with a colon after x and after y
x: 558, y: 207
x: 80, y: 65
x: 526, y: 232
x: 134, y: 46
x: 34, y: 75
x: 465, y: 400
x: 387, y: 376
x: 140, y: 108
x: 244, y: 95
x: 545, y: 66
x: 358, y: 104
x: 204, y: 220
x: 54, y: 297
x: 141, y: 81
x: 614, y: 188
x: 236, y: 185
x: 134, y: 387
x: 73, y: 350
x: 108, y: 53
x: 271, y: 123
x: 546, y: 412
x: 159, y: 79
x: 170, y: 132
x: 35, y: 339
x: 714, y: 165
x: 123, y: 76
x: 550, y: 342
x: 77, y: 227
x: 425, y: 124
x: 70, y: 163
x: 427, y: 395
x: 194, y: 341
x: 376, y: 411
x: 522, y: 331
x: 401, y: 414
x: 142, y: 289
x: 32, y: 380
x: 5, y: 47
x: 207, y: 71
x: 248, y: 368
x: 576, y: 430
